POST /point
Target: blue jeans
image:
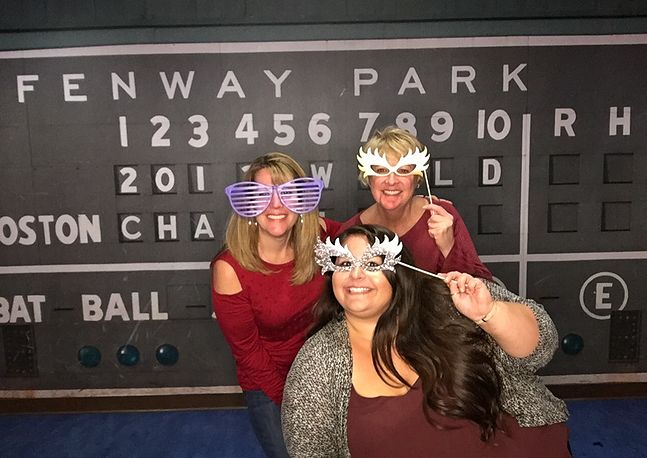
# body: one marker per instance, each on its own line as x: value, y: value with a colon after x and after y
x: 266, y: 421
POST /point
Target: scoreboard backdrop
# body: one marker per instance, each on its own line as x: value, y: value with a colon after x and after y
x: 114, y: 161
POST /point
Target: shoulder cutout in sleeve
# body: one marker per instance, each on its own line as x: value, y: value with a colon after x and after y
x: 322, y: 224
x: 224, y: 278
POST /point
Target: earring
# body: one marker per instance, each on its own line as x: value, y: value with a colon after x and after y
x: 301, y: 218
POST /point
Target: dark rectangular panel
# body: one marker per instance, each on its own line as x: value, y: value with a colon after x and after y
x: 19, y: 351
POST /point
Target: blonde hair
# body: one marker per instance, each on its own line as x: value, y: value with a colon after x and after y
x: 392, y: 141
x: 241, y: 237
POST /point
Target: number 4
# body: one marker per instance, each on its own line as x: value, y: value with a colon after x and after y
x: 245, y: 128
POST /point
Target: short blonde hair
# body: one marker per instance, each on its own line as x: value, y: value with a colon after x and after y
x: 392, y: 141
x: 241, y: 237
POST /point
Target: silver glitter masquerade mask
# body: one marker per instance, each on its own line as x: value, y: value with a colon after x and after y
x: 386, y: 249
x: 389, y: 250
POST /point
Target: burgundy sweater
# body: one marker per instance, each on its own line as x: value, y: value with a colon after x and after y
x: 427, y: 255
x: 266, y: 323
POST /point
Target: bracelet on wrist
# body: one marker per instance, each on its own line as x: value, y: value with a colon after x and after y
x: 487, y: 317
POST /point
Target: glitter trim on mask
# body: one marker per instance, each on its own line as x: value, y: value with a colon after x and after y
x: 387, y: 249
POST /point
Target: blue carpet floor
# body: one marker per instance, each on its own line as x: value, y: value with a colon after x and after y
x: 608, y: 428
x: 599, y: 429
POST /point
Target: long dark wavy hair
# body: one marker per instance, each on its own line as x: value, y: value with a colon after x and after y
x: 450, y: 354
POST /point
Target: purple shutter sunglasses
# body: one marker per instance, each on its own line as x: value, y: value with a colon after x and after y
x: 249, y: 198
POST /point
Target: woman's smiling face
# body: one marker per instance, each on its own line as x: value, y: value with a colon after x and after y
x: 362, y: 294
x: 276, y: 220
x: 392, y: 191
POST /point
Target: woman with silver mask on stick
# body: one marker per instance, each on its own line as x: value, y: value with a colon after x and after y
x: 406, y: 364
x: 393, y: 164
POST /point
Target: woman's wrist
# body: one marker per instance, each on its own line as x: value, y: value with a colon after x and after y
x: 489, y: 315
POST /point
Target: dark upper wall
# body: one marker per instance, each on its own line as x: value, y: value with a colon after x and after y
x: 18, y: 15
x: 52, y: 23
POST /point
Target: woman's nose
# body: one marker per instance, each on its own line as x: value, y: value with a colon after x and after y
x: 391, y: 178
x: 275, y: 202
x: 357, y: 272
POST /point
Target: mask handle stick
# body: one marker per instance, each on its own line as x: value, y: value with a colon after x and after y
x: 427, y: 183
x: 441, y: 277
x: 431, y: 274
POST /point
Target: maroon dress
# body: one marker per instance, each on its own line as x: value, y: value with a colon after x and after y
x: 396, y: 426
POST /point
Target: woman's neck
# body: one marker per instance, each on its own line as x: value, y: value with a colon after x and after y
x: 399, y: 220
x: 275, y: 250
x: 366, y: 380
x: 360, y: 330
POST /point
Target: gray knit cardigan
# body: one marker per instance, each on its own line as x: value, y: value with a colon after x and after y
x: 317, y: 391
